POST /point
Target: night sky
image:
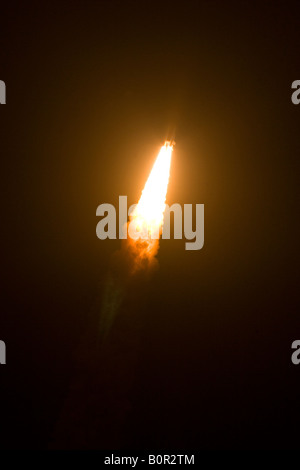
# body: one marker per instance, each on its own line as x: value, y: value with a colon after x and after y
x: 200, y: 354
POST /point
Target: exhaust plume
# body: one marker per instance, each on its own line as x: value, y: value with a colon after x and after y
x: 137, y: 256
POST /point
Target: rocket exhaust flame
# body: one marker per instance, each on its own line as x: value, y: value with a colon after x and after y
x: 137, y: 254
x: 146, y: 220
x: 148, y: 214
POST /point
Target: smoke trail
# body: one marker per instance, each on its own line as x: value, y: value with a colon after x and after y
x: 100, y: 395
x: 136, y: 258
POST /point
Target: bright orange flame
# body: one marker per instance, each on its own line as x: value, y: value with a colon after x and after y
x: 146, y: 220
x: 149, y: 213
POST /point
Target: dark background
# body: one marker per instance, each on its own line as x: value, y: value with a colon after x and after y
x: 93, y: 91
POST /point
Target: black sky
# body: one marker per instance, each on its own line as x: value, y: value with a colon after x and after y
x: 93, y: 90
